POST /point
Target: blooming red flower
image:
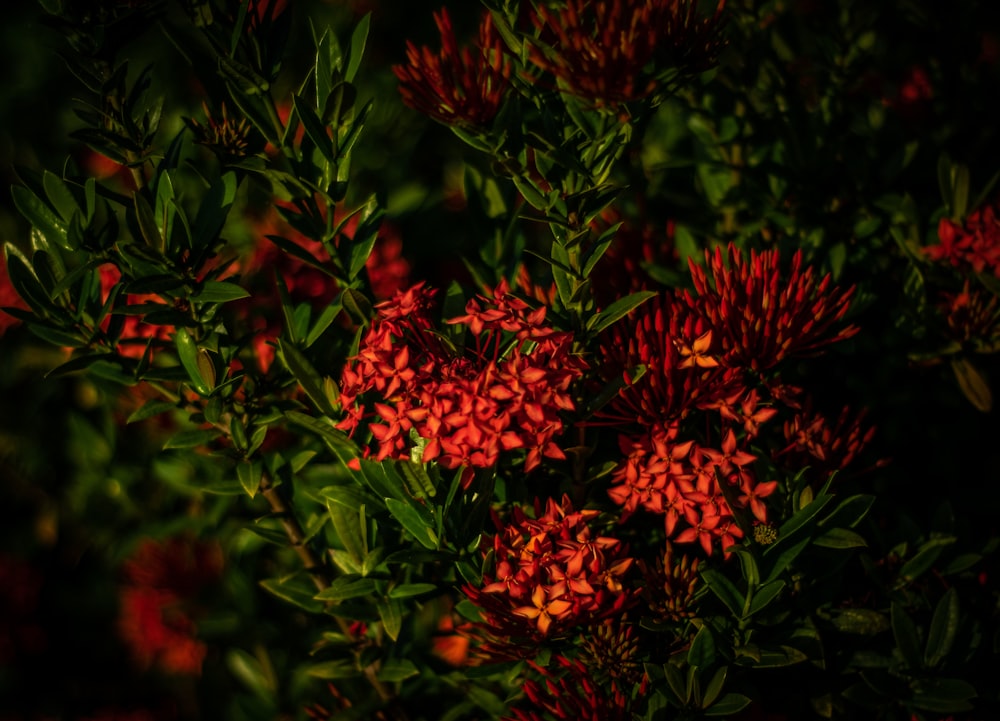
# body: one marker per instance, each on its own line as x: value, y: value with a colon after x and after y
x: 974, y: 245
x: 758, y: 317
x: 814, y: 441
x: 972, y: 316
x: 504, y: 390
x: 623, y: 50
x: 457, y: 87
x: 679, y: 353
x: 552, y: 574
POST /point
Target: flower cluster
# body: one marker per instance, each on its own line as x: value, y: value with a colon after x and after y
x: 552, y: 574
x: 606, y: 52
x: 456, y: 86
x: 573, y: 695
x: 762, y: 316
x: 163, y: 579
x: 463, y: 405
x: 972, y: 316
x: 974, y: 245
x: 705, y: 353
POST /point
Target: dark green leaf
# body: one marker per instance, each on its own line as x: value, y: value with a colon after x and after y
x: 840, y: 538
x: 905, y: 633
x: 249, y: 475
x: 356, y: 47
x: 419, y: 523
x: 310, y: 381
x: 701, y: 654
x: 297, y: 590
x: 391, y: 613
x: 347, y: 525
x: 214, y: 291
x: 944, y: 627
x: 146, y: 222
x: 724, y: 589
x: 342, y: 668
x: 617, y: 310
x: 191, y: 439
x: 731, y: 703
x: 150, y: 409
x: 40, y: 215
x: 347, y: 587
x: 396, y: 670
x: 765, y: 595
x: 407, y: 590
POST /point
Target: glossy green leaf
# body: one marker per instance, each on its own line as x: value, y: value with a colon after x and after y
x: 724, y: 589
x: 348, y: 528
x: 310, y: 381
x: 60, y: 196
x: 731, y: 703
x: 840, y: 538
x: 765, y: 595
x: 150, y: 409
x: 391, y: 612
x: 356, y: 47
x: 296, y: 589
x: 191, y: 439
x: 341, y: 668
x: 40, y: 215
x: 216, y: 291
x: 419, y: 523
x: 943, y: 629
x: 407, y: 590
x: 249, y: 474
x: 188, y: 352
x: 397, y: 669
x: 701, y: 653
x: 146, y: 222
x: 617, y: 310
x: 345, y: 588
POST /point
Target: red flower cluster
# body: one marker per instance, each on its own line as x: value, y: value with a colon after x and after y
x: 463, y: 87
x: 814, y: 441
x: 705, y: 352
x: 606, y: 52
x: 574, y: 695
x: 761, y: 317
x: 974, y: 245
x: 552, y: 574
x: 163, y: 579
x: 972, y: 316
x: 503, y: 390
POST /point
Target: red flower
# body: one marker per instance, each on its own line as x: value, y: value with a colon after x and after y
x: 622, y: 50
x: 504, y: 391
x: 573, y: 694
x: 457, y: 87
x: 974, y: 245
x: 814, y: 441
x: 760, y: 317
x: 552, y: 574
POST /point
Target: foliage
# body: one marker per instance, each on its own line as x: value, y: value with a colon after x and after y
x: 592, y: 394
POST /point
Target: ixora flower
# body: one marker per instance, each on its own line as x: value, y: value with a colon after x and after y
x: 552, y: 574
x: 760, y: 316
x: 163, y: 580
x: 457, y: 87
x: 503, y: 390
x: 617, y: 51
x: 571, y: 694
x: 974, y: 245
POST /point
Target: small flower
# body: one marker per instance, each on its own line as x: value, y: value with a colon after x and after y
x: 974, y: 245
x: 573, y: 694
x: 456, y: 87
x: 227, y: 137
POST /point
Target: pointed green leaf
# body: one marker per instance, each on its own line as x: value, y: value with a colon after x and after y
x: 347, y: 587
x: 215, y: 291
x: 356, y: 47
x: 419, y: 523
x: 310, y: 381
x: 249, y: 474
x: 905, y: 633
x: 617, y: 310
x: 944, y: 627
x: 396, y: 670
x: 391, y: 613
x: 701, y: 654
x: 40, y: 215
x: 728, y: 705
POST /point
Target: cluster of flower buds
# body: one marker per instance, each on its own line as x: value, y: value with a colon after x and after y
x: 461, y: 402
x: 571, y: 695
x: 552, y: 574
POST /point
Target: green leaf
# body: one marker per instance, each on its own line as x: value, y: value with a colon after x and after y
x: 188, y: 352
x: 765, y: 595
x: 728, y: 705
x: 249, y: 474
x: 849, y: 512
x: 336, y: 440
x: 296, y: 589
x: 944, y: 695
x: 391, y: 613
x: 40, y: 215
x: 347, y: 587
x: 944, y: 627
x: 215, y: 291
x: 310, y: 381
x: 701, y: 654
x: 773, y: 657
x: 617, y: 310
x: 191, y: 439
x: 864, y: 621
x: 724, y: 589
x: 341, y: 668
x: 150, y: 409
x: 924, y: 559
x: 60, y: 196
x: 715, y: 686
x: 407, y: 590
x: 397, y: 669
x: 146, y: 222
x: 419, y: 523
x: 214, y: 208
x: 347, y: 525
x: 314, y: 128
x: 973, y: 383
x: 249, y: 670
x: 905, y: 633
x: 356, y: 47
x: 840, y: 538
